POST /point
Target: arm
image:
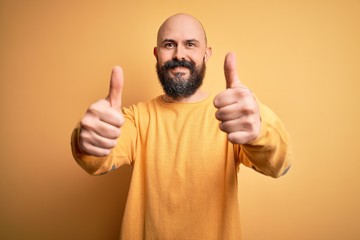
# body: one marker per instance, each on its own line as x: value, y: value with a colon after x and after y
x: 97, y: 134
x: 259, y: 136
x: 270, y: 152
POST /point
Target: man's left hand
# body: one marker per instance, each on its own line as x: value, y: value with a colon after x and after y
x: 238, y: 110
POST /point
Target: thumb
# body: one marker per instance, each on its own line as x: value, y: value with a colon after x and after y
x: 116, y: 87
x: 231, y: 75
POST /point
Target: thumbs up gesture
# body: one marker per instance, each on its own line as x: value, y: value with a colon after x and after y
x: 238, y: 110
x: 100, y: 126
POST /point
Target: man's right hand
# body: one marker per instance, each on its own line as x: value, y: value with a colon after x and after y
x: 100, y: 127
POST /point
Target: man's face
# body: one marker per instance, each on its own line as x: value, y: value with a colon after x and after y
x: 181, y: 55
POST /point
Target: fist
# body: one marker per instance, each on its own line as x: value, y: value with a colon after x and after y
x: 101, y: 125
x: 238, y: 110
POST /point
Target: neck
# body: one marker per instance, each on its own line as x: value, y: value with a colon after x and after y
x: 196, y: 97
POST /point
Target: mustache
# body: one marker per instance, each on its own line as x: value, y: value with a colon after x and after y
x: 171, y: 64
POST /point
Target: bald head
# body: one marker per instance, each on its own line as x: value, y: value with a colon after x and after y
x: 181, y: 56
x: 181, y: 25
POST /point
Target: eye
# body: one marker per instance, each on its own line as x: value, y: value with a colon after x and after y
x: 190, y: 44
x: 169, y: 45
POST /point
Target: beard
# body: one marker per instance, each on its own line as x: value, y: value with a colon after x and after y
x: 178, y: 87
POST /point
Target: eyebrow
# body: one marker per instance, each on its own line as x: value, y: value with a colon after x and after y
x: 192, y: 40
x: 168, y: 40
x: 187, y: 41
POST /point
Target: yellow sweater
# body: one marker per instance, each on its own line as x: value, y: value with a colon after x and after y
x: 184, y: 182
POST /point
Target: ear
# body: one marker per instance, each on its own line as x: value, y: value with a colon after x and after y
x: 155, y: 52
x: 208, y: 53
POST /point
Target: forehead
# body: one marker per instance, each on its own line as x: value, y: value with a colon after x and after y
x: 181, y: 28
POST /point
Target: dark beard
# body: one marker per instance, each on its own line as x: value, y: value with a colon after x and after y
x: 178, y: 87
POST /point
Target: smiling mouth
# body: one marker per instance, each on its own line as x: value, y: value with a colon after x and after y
x: 179, y: 71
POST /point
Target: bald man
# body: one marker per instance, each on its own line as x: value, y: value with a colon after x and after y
x: 185, y: 146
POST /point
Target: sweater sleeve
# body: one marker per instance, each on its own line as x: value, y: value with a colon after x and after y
x: 270, y: 153
x: 121, y: 155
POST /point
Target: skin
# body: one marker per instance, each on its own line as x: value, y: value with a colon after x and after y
x: 238, y: 110
x: 180, y: 37
x: 101, y: 125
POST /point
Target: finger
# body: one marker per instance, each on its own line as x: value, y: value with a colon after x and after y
x: 232, y: 95
x: 116, y: 87
x: 114, y: 118
x: 229, y: 112
x: 230, y: 71
x: 90, y: 149
x: 106, y: 130
x: 241, y: 137
x: 240, y: 130
x: 239, y: 124
x: 101, y: 110
x: 101, y: 128
x: 97, y: 140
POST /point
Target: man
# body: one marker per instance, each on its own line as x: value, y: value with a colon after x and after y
x: 185, y: 146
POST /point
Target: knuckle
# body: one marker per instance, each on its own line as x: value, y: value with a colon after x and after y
x: 84, y: 147
x: 93, y: 108
x: 216, y: 102
x: 247, y: 109
x: 88, y: 121
x: 84, y: 122
x: 218, y: 115
x: 224, y: 126
x: 97, y: 108
x: 221, y: 126
x: 84, y: 135
x: 242, y: 92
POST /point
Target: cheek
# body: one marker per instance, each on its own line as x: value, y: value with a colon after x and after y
x: 199, y: 58
x: 199, y: 62
x: 163, y: 56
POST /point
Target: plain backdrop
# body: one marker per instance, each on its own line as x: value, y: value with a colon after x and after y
x: 301, y: 58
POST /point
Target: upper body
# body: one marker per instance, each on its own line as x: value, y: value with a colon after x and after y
x: 185, y: 169
x: 185, y: 146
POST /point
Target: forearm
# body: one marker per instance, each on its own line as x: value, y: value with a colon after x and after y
x: 270, y: 153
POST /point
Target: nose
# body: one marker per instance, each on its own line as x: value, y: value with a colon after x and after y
x: 179, y: 54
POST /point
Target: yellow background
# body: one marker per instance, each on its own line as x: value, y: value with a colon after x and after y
x: 302, y: 58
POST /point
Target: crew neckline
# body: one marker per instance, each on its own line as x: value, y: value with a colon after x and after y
x: 161, y: 100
